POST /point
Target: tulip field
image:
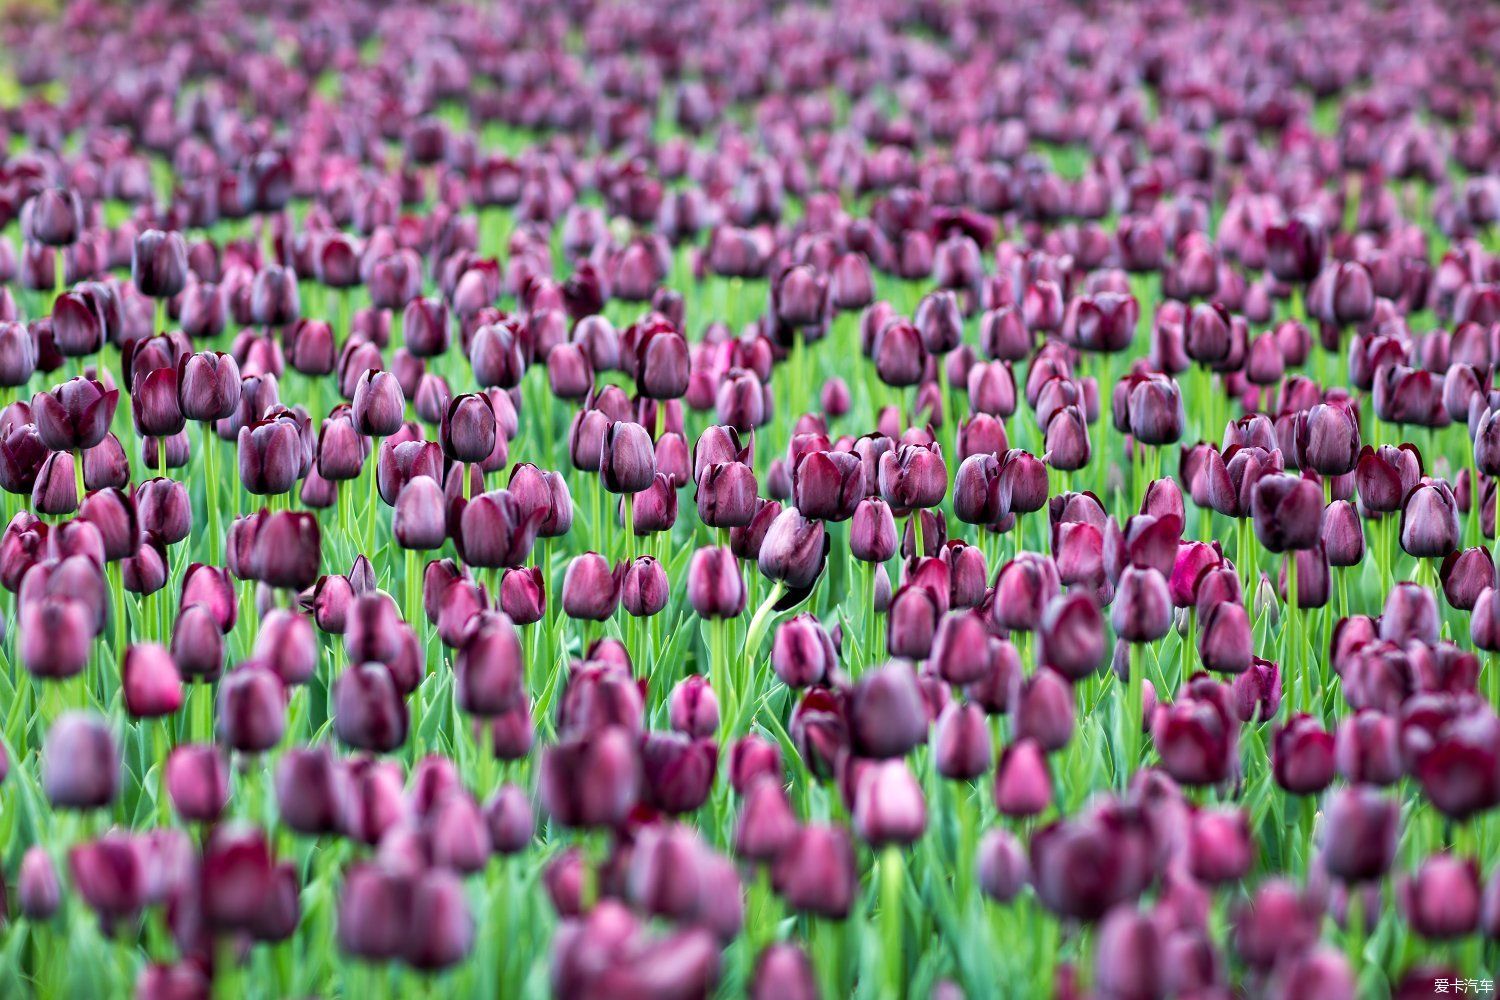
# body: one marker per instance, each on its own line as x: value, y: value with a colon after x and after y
x: 619, y: 500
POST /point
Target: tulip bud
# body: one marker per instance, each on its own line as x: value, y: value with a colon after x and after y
x: 888, y: 805
x: 692, y: 707
x: 251, y: 710
x: 887, y: 716
x: 80, y: 762
x: 37, y: 890
x: 1359, y: 834
x: 1022, y: 785
x: 197, y: 778
x: 815, y: 872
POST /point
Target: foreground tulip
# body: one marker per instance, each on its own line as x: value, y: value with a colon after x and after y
x: 80, y: 763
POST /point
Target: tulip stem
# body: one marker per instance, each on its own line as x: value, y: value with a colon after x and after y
x: 375, y: 500
x: 1290, y: 654
x: 78, y: 482
x: 892, y: 879
x: 211, y: 488
x: 918, y: 549
x: 1134, y: 702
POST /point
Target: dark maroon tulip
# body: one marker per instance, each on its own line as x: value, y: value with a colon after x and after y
x: 1072, y: 640
x: 154, y: 405
x: 960, y: 652
x: 440, y: 925
x: 274, y: 299
x: 913, y: 476
x: 489, y: 670
x: 1342, y: 294
x: 211, y: 587
x: 37, y: 891
x: 887, y: 716
x: 287, y: 550
x: 75, y: 415
x: 523, y: 595
x: 1023, y: 786
x: 1429, y: 520
x: 53, y: 217
x: 1287, y: 512
x: 197, y: 778
x: 271, y: 456
x: 872, y: 532
x: 1302, y: 758
x: 815, y: 873
x: 158, y: 264
x: 911, y: 623
x: 977, y: 490
x: 311, y: 349
x: 1359, y: 835
x: 306, y: 787
x: 1221, y: 847
x: 1279, y: 920
x: 627, y: 461
x: 1465, y: 575
x: 1045, y: 710
x: 509, y: 818
x: 961, y: 742
x: 1225, y: 641
x: 1002, y: 866
x: 1328, y: 440
x: 110, y: 874
x: 645, y: 588
x: 1343, y: 534
x: 18, y: 354
x: 165, y: 509
x: 591, y: 587
x: 590, y: 780
x: 379, y: 404
x: 208, y: 385
x: 1441, y: 899
x: 468, y: 428
x: 1455, y: 765
x: 794, y: 550
x: 1083, y: 866
x: 1410, y: 612
x: 1366, y: 749
x: 286, y: 643
x: 80, y: 763
x: 1142, y: 610
x: 497, y: 531
x: 802, y: 652
x: 1196, y: 740
x: 888, y: 805
x: 692, y: 707
x: 374, y: 913
x: 766, y: 823
x: 55, y: 636
x: 368, y: 711
x: 658, y: 359
x: 251, y: 708
x: 1295, y: 249
x: 197, y: 644
x: 1130, y: 957
x: 726, y: 495
x: 828, y: 485
x: 677, y: 771
x: 783, y: 972
x: 1023, y: 588
x: 420, y: 521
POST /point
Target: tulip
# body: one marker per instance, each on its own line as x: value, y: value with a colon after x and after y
x: 251, y: 709
x: 1045, y: 710
x: 1287, y: 512
x: 590, y: 780
x: 1196, y: 740
x: 80, y: 763
x: 488, y: 670
x: 151, y: 682
x: 591, y: 588
x: 1359, y: 835
x: 1429, y: 520
x: 1441, y: 900
x: 158, y: 263
x: 888, y: 805
x: 197, y: 778
x: 1080, y: 867
x: 368, y: 711
x: 109, y: 873
x: 627, y: 461
x: 1302, y: 756
x: 55, y: 636
x: 815, y: 872
x: 726, y: 495
x: 1022, y: 785
x: 75, y: 415
x: 37, y: 890
x: 794, y: 550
